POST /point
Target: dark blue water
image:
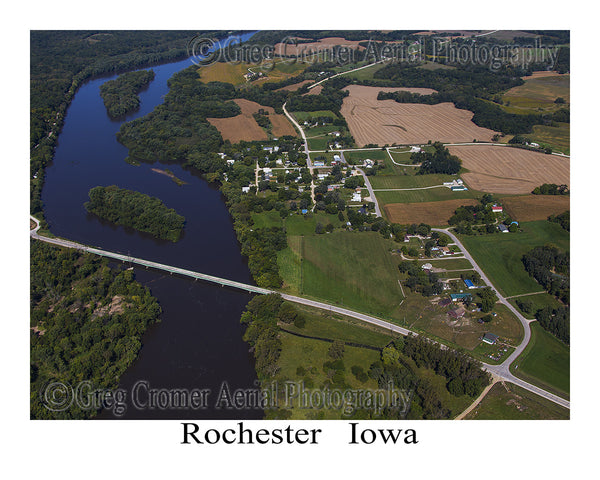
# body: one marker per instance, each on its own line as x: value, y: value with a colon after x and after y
x: 199, y: 343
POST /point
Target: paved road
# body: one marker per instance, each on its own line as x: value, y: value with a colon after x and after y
x: 499, y: 370
x: 371, y: 192
x: 503, y: 370
x: 344, y: 73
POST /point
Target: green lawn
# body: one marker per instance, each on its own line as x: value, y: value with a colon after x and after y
x: 302, y: 116
x: 306, y: 224
x: 545, y: 362
x: 353, y: 269
x: 267, y: 219
x: 358, y: 157
x: 318, y: 143
x: 499, y: 255
x: 511, y: 402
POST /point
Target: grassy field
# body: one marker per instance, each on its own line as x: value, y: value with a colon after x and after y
x: 450, y: 264
x: 410, y: 181
x: 234, y: 72
x: 323, y: 324
x: 545, y: 362
x: 365, y: 73
x: 499, y: 255
x: 428, y: 195
x: 539, y: 301
x: 538, y: 94
x: 352, y: 269
x: 318, y: 143
x: 267, y: 219
x: 511, y: 402
x: 558, y: 138
x: 306, y: 224
x: 302, y: 116
x: 358, y: 157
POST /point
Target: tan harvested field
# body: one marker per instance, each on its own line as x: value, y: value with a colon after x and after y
x: 294, y: 87
x: 544, y: 73
x: 320, y: 45
x: 244, y: 127
x: 510, y: 170
x: 315, y: 91
x: 529, y: 208
x: 387, y: 122
x: 431, y: 213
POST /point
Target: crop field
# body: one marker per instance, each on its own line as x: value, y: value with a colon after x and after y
x: 234, y: 72
x: 499, y: 254
x: 538, y: 93
x: 535, y: 207
x: 244, y: 127
x: 496, y: 169
x: 545, y: 362
x: 335, y: 268
x: 425, y: 195
x: 558, y: 138
x: 506, y: 401
x: 305, y: 49
x: 431, y: 213
x: 384, y: 122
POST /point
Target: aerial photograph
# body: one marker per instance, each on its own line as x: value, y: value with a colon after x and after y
x: 299, y: 225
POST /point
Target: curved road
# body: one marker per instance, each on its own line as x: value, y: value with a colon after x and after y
x: 501, y: 370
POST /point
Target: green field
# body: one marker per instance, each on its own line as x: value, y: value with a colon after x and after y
x: 267, y: 219
x: 539, y: 301
x: 318, y: 143
x: 511, y: 402
x: 450, y: 264
x: 545, y: 362
x: 359, y: 156
x: 302, y: 116
x: 538, y: 95
x: 499, y: 255
x: 352, y: 269
x: 306, y: 224
x: 428, y: 195
x: 410, y: 181
x: 365, y: 73
x: 558, y: 138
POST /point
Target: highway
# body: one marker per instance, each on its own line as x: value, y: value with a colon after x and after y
x: 501, y: 370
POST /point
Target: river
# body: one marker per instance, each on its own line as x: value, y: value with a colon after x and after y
x: 198, y: 344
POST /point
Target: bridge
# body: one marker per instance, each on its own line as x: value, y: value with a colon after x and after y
x: 501, y: 371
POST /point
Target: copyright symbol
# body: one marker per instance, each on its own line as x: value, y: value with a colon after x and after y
x: 203, y: 51
x: 57, y: 396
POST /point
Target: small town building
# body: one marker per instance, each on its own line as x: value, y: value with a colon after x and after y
x: 427, y: 266
x: 415, y: 149
x: 503, y: 228
x: 497, y: 209
x: 245, y: 189
x: 460, y: 296
x: 469, y: 284
x: 490, y: 338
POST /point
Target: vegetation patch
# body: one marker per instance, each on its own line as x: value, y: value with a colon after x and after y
x: 527, y: 208
x: 136, y: 210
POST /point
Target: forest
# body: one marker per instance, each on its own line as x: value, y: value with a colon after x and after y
x: 550, y: 268
x: 563, y: 219
x: 86, y: 323
x: 136, y: 210
x: 120, y: 95
x: 440, y: 161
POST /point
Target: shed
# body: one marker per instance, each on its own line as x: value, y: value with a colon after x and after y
x: 490, y: 338
x: 469, y: 284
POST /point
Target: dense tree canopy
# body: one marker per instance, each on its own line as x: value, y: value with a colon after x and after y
x: 136, y: 210
x: 120, y: 95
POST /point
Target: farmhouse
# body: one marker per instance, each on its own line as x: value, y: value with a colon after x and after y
x: 356, y: 197
x: 336, y: 159
x: 490, y: 338
x: 503, y: 228
x: 469, y: 284
x: 415, y: 149
x: 446, y: 251
x: 245, y: 189
x: 497, y: 209
x: 427, y: 266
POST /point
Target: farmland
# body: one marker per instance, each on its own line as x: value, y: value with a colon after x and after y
x: 545, y: 362
x: 234, y: 72
x: 431, y: 213
x: 353, y: 269
x: 538, y: 94
x: 506, y: 401
x: 244, y: 126
x: 556, y: 137
x: 535, y: 207
x: 388, y: 122
x: 499, y: 255
x: 427, y: 195
x: 497, y: 169
x: 409, y: 181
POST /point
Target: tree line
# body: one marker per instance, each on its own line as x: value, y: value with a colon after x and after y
x: 136, y: 210
x: 440, y: 161
x: 120, y: 95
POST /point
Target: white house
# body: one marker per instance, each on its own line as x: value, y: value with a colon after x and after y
x: 245, y: 189
x: 415, y: 149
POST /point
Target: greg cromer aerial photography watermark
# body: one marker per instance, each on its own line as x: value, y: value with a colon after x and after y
x: 205, y: 51
x: 60, y: 396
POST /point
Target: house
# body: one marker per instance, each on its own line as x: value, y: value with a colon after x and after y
x: 490, y: 338
x: 337, y: 134
x: 362, y: 210
x: 369, y: 163
x: 279, y: 161
x: 356, y: 197
x: 446, y: 251
x: 458, y: 188
x: 304, y: 211
x: 534, y: 145
x: 503, y: 228
x: 427, y: 266
x: 460, y: 296
x: 415, y: 149
x: 469, y: 284
x: 319, y: 163
x: 245, y: 189
x: 337, y: 159
x: 222, y: 155
x: 497, y: 209
x: 230, y: 161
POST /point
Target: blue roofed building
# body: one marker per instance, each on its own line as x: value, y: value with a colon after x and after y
x: 469, y: 284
